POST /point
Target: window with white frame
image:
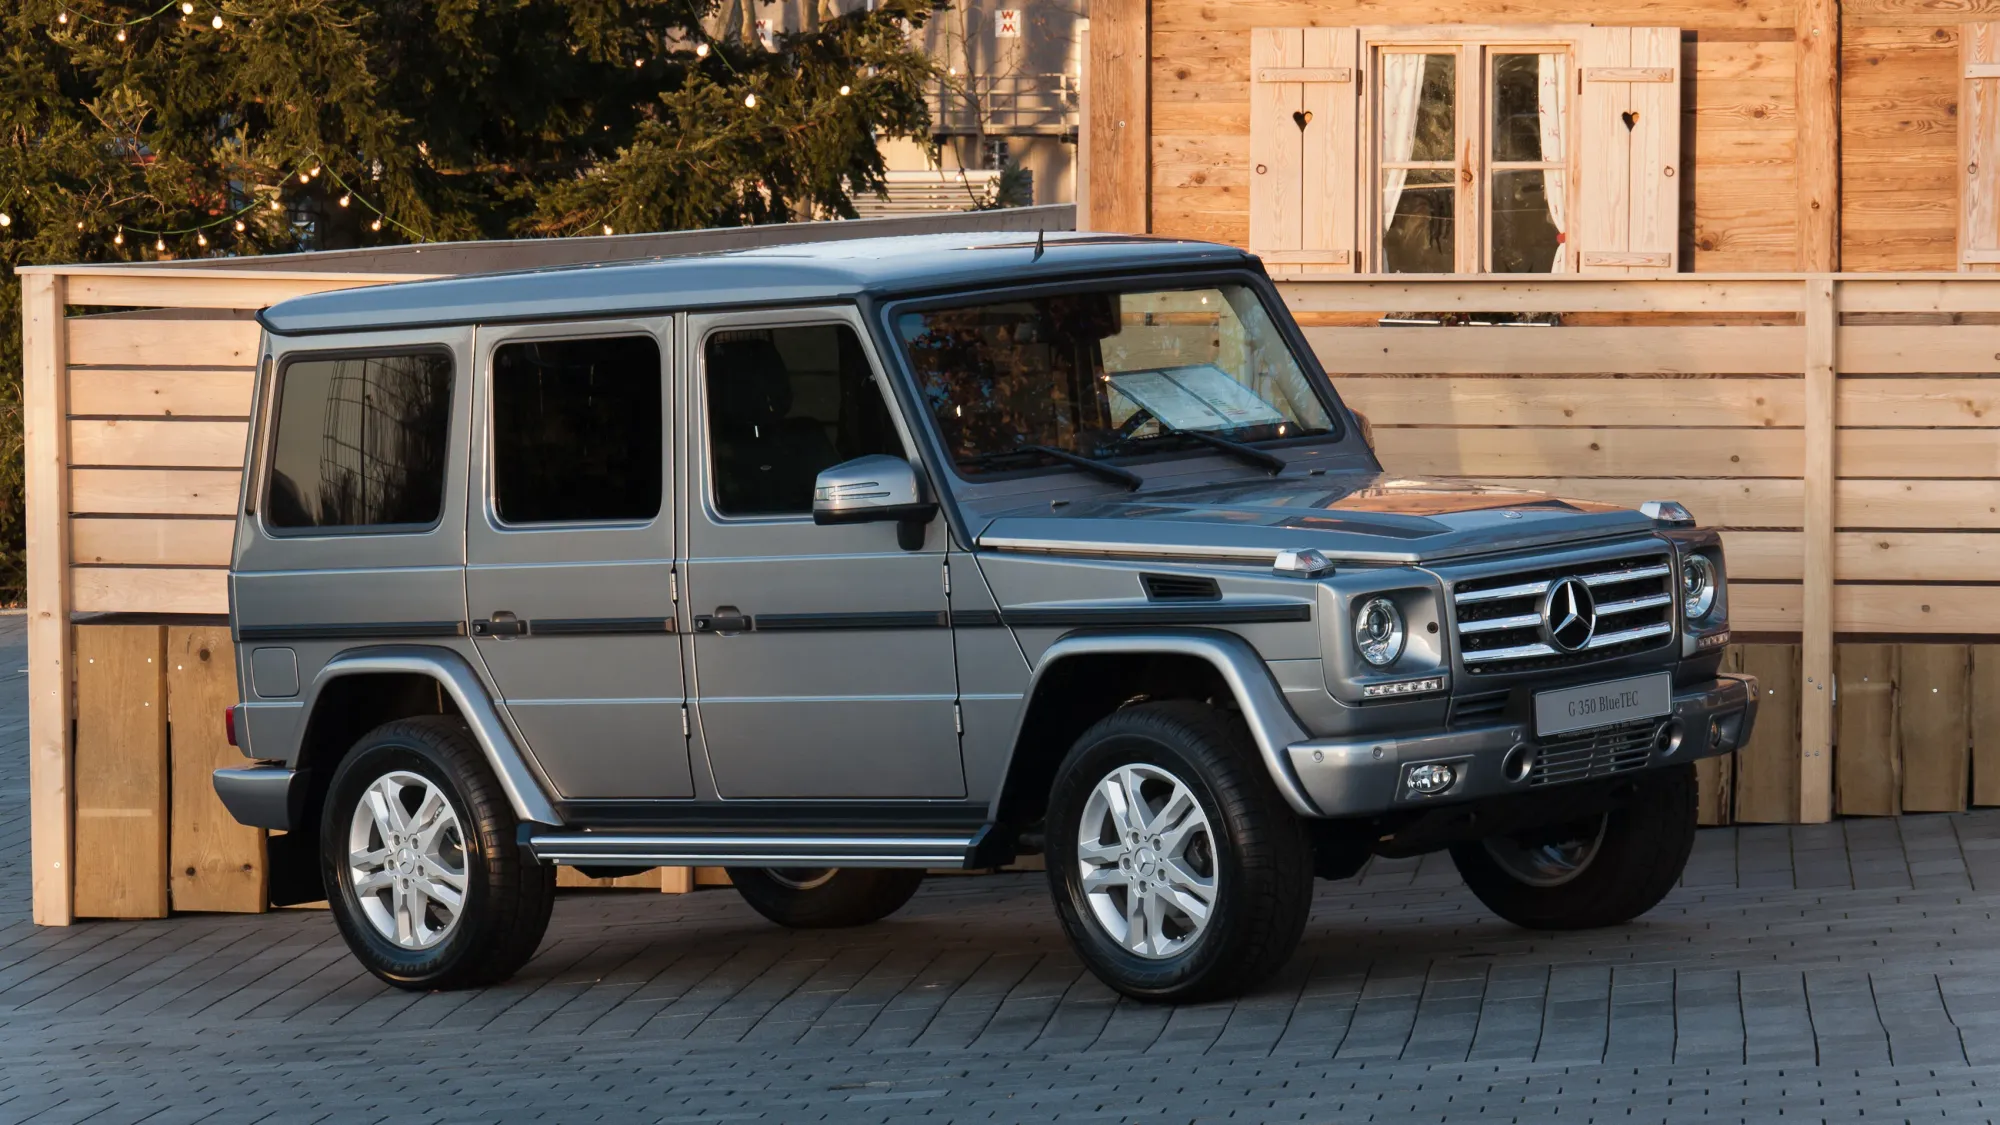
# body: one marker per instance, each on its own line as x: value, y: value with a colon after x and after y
x: 1465, y: 150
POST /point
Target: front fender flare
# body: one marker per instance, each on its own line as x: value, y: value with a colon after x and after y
x: 1272, y: 725
x: 523, y: 788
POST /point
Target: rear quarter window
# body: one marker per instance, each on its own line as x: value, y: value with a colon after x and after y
x: 360, y: 442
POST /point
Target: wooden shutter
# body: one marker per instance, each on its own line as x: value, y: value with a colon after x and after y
x: 1979, y: 147
x: 1627, y: 213
x: 1304, y: 144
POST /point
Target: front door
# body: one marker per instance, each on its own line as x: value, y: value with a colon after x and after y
x: 822, y: 655
x: 569, y: 576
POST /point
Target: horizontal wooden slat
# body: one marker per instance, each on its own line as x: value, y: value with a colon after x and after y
x: 1919, y: 402
x: 100, y: 589
x: 151, y: 542
x: 1451, y: 294
x: 1639, y: 259
x: 1558, y: 351
x: 1628, y: 74
x: 1305, y: 74
x: 166, y: 492
x: 136, y: 342
x: 1870, y: 556
x: 1918, y: 350
x: 1445, y: 400
x: 147, y: 442
x: 1765, y: 607
x: 1918, y: 453
x: 1966, y: 293
x: 1917, y: 503
x: 1584, y: 452
x: 134, y: 392
x: 191, y: 289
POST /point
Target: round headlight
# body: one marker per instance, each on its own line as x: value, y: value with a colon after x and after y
x: 1378, y: 632
x: 1697, y: 586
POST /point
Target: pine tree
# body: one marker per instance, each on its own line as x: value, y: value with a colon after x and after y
x: 131, y: 131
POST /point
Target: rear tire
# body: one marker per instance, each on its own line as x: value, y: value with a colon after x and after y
x: 824, y: 898
x: 1205, y: 892
x: 422, y: 869
x: 1600, y: 872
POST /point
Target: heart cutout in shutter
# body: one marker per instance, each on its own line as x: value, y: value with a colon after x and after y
x: 1631, y: 120
x: 1303, y: 118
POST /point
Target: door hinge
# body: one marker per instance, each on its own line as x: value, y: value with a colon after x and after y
x: 687, y: 729
x: 674, y: 586
x: 947, y: 579
x: 957, y: 719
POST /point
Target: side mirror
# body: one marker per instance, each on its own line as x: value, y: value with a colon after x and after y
x: 874, y: 489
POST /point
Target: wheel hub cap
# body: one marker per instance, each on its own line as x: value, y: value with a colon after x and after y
x: 406, y: 860
x: 1146, y: 855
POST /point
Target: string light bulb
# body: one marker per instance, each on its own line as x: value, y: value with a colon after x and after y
x: 376, y: 225
x: 216, y: 23
x: 240, y: 228
x: 846, y: 90
x: 6, y: 220
x: 750, y: 101
x: 276, y: 206
x: 159, y: 244
x: 118, y: 239
x: 639, y: 63
x: 305, y: 177
x: 345, y: 200
x: 62, y: 17
x: 79, y: 224
x: 607, y: 228
x: 187, y: 9
x: 201, y: 240
x: 701, y: 50
x: 121, y: 35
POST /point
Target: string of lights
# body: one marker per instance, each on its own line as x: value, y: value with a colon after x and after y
x: 65, y: 17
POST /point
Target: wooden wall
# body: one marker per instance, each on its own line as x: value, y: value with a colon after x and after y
x: 1883, y: 150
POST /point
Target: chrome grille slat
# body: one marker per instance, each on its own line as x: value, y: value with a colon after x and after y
x: 1498, y: 626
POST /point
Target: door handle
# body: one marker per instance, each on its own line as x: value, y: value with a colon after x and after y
x: 725, y: 619
x: 501, y: 624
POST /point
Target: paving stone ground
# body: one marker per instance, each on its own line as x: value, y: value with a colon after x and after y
x: 1846, y: 972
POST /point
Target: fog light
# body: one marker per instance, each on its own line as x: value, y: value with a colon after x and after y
x: 1432, y: 779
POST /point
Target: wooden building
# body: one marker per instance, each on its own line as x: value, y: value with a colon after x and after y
x: 1681, y: 135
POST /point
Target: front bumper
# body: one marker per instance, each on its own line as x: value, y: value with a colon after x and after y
x: 1349, y: 777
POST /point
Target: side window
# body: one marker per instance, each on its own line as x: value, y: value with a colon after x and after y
x: 783, y: 404
x: 360, y: 442
x: 577, y: 430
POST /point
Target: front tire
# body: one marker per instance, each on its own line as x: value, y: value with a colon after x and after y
x: 825, y: 898
x: 422, y: 869
x: 1178, y: 871
x: 1601, y: 871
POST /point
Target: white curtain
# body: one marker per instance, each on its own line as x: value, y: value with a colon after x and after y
x: 1551, y: 104
x: 1402, y: 92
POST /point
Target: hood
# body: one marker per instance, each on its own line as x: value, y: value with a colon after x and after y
x: 1366, y: 517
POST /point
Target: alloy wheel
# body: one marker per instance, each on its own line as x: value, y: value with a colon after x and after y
x: 1146, y: 857
x: 406, y: 860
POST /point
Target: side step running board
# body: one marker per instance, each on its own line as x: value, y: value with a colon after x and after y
x: 723, y: 849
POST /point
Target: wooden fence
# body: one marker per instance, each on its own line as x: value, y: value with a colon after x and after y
x: 1840, y: 429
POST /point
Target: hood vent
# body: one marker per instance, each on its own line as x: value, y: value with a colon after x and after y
x: 1180, y: 588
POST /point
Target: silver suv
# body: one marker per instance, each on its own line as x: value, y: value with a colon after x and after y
x: 832, y: 564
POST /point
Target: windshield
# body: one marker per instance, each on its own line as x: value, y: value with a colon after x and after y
x: 1107, y: 374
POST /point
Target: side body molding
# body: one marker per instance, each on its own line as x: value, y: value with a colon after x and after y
x: 524, y: 791
x: 1271, y: 722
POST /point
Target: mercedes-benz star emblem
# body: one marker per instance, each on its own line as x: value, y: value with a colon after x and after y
x: 1569, y: 615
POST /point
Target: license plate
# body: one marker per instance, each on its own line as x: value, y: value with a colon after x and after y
x: 1601, y: 705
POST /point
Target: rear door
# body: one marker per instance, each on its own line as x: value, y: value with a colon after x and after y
x: 569, y: 552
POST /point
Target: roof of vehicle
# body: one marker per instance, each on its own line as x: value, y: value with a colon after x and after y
x: 791, y: 274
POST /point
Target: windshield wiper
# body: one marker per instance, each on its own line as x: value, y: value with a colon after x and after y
x: 1099, y: 469
x: 1269, y: 462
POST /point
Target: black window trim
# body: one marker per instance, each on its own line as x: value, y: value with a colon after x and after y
x: 750, y: 319
x: 267, y: 452
x: 888, y: 311
x: 599, y: 330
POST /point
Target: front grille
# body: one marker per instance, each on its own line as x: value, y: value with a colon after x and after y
x: 1499, y: 617
x: 1597, y: 753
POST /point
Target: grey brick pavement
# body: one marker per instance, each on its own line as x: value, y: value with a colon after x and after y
x: 1841, y: 972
